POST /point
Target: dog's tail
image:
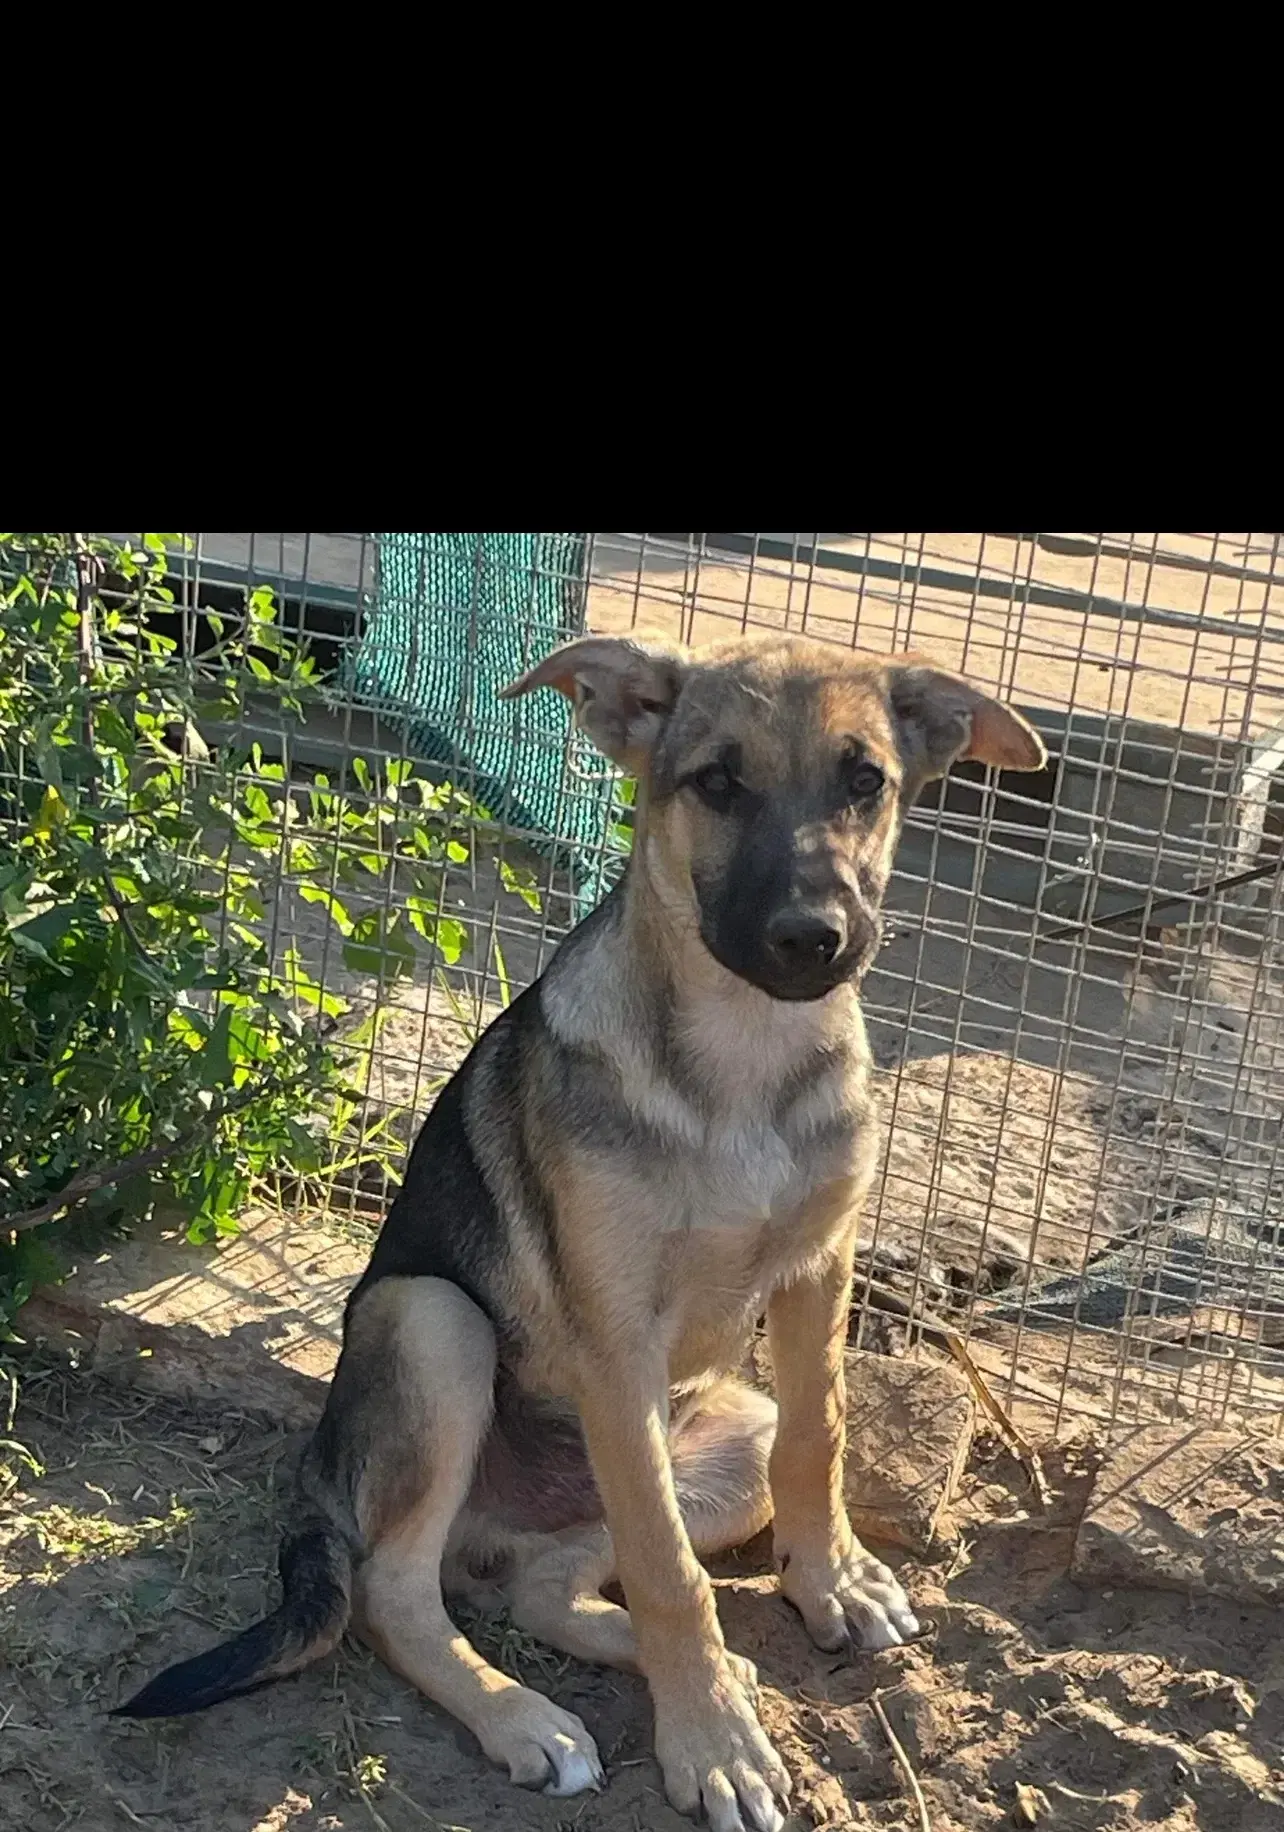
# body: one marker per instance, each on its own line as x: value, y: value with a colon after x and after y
x: 316, y: 1575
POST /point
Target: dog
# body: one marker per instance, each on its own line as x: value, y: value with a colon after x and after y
x: 664, y: 1138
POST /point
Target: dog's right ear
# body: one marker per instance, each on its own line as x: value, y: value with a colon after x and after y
x: 944, y: 719
x: 622, y: 692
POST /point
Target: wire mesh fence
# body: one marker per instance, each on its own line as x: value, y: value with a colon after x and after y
x: 1078, y: 1011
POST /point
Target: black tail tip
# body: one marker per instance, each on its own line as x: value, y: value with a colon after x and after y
x: 194, y: 1685
x: 162, y: 1698
x: 158, y: 1699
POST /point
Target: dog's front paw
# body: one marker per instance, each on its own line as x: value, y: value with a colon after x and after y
x: 539, y: 1744
x: 849, y: 1600
x: 716, y: 1758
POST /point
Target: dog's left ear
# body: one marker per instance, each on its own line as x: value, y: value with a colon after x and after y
x: 944, y: 719
x: 622, y: 692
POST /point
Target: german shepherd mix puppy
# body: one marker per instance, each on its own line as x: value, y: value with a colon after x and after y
x: 668, y: 1135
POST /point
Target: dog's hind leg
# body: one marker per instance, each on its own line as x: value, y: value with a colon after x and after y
x: 556, y: 1594
x: 720, y: 1445
x: 424, y: 1406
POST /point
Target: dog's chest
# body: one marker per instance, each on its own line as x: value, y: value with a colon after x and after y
x: 737, y: 1174
x: 757, y: 1142
x: 752, y: 1178
x: 716, y: 1282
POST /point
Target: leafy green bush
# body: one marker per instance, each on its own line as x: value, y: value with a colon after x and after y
x: 152, y: 1046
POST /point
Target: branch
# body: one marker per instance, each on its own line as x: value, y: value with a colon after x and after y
x: 92, y: 1180
x: 902, y: 1762
x: 88, y: 572
x: 1153, y: 905
x: 148, y: 1159
x: 85, y: 644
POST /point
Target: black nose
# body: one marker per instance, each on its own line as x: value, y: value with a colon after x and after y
x: 800, y: 938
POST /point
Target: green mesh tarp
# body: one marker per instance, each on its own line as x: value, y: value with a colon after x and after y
x: 457, y: 617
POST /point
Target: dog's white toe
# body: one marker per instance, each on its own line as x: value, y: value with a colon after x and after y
x: 878, y: 1609
x: 576, y: 1766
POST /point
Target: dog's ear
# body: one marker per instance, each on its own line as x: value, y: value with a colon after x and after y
x: 622, y: 692
x: 944, y: 719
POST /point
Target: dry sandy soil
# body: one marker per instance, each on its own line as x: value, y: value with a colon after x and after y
x: 152, y: 1530
x: 1212, y: 679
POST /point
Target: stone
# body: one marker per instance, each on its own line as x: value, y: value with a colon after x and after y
x: 1195, y: 1509
x: 827, y: 1803
x: 909, y: 1431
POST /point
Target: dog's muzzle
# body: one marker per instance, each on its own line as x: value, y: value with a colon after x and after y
x: 808, y: 950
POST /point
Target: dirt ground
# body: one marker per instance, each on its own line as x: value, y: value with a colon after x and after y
x: 147, y: 1529
x: 152, y: 1528
x: 1216, y: 676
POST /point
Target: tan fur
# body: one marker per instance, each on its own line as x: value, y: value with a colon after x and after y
x: 672, y: 1145
x: 661, y: 1276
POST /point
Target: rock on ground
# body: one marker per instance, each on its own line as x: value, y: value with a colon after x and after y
x: 1193, y: 1509
x: 909, y: 1431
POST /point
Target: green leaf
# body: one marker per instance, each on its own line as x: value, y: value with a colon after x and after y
x: 314, y: 893
x: 521, y: 882
x: 48, y: 760
x: 27, y: 945
x: 51, y: 926
x: 380, y: 945
x: 216, y: 1056
x: 451, y: 937
x: 51, y: 814
x: 305, y: 1154
x: 501, y: 973
x: 113, y: 730
x: 78, y: 763
x: 252, y: 1040
x: 14, y: 906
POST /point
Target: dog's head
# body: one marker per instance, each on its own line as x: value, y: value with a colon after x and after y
x: 775, y: 775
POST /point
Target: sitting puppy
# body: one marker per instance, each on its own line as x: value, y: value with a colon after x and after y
x: 666, y: 1136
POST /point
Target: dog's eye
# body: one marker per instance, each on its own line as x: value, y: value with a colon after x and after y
x: 716, y: 785
x: 863, y: 779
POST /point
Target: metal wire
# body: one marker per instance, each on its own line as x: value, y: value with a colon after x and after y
x: 1083, y: 1103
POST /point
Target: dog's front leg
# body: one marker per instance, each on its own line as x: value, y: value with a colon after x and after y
x: 841, y: 1592
x: 707, y: 1737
